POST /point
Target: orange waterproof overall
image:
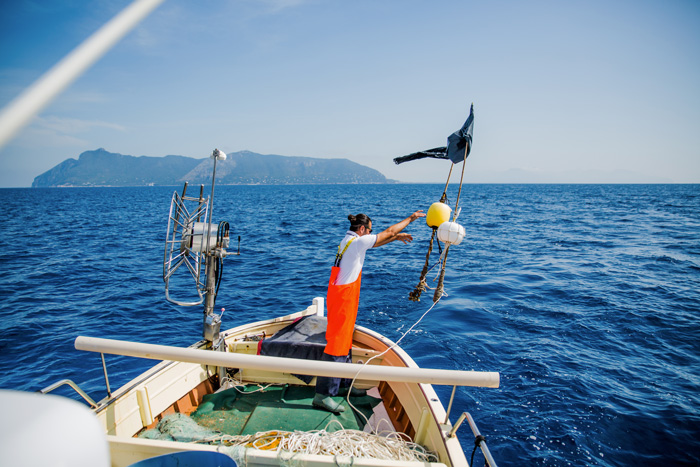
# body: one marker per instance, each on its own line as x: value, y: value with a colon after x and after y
x: 342, y: 302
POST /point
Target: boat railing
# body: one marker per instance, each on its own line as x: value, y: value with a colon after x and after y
x: 288, y: 365
x: 70, y: 383
x: 479, y: 440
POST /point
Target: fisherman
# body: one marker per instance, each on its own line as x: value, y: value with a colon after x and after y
x: 343, y: 297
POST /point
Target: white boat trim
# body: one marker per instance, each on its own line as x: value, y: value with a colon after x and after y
x: 130, y: 450
x: 288, y: 365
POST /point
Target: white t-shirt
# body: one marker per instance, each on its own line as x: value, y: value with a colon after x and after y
x: 354, y: 257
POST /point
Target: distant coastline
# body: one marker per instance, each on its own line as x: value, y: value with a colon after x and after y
x: 389, y: 182
x: 101, y: 168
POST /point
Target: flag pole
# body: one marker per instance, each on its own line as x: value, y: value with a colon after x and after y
x: 461, y: 180
x: 449, y: 175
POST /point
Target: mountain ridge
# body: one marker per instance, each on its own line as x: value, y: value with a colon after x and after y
x: 103, y: 168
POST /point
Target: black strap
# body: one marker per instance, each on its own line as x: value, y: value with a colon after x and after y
x: 477, y: 442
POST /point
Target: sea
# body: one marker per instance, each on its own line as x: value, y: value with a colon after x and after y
x: 584, y: 298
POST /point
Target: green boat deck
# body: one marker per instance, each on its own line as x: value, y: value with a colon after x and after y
x: 276, y: 408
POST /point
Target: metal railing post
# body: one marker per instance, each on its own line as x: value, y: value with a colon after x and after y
x: 77, y: 389
x: 104, y: 368
x: 477, y: 434
x: 449, y: 406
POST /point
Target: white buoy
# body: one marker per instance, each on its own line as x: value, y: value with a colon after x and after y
x: 451, y: 232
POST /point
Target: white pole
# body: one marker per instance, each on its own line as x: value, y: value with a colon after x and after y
x: 25, y: 106
x: 289, y: 365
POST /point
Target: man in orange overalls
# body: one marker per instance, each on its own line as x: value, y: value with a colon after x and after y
x: 343, y: 296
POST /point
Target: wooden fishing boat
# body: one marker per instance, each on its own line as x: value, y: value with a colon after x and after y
x: 188, y: 378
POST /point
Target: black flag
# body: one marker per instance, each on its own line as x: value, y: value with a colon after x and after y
x: 456, y: 144
x: 460, y: 140
x: 437, y: 153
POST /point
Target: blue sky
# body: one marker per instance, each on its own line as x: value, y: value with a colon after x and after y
x: 575, y: 91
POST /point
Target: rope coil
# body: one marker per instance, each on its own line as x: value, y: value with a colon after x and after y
x: 340, y: 443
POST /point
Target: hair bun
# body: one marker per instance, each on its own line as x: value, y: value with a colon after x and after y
x: 352, y: 219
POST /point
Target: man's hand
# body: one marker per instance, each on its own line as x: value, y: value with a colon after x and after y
x: 393, y: 233
x: 417, y: 215
x: 404, y: 237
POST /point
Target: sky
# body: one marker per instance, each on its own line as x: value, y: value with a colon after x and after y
x: 596, y: 91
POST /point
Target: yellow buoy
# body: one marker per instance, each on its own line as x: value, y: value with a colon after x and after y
x: 437, y: 214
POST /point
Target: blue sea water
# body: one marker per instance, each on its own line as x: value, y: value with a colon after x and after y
x: 585, y: 298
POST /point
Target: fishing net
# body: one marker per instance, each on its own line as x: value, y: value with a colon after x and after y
x: 282, y: 419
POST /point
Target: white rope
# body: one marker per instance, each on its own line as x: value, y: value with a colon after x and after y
x: 379, y: 355
x: 441, y: 262
x: 229, y: 383
x: 341, y: 443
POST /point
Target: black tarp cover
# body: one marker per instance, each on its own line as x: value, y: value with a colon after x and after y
x: 305, y: 338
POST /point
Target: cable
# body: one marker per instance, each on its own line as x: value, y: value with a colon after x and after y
x: 477, y: 442
x: 221, y: 233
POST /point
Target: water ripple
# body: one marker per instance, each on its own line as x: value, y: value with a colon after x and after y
x: 586, y: 299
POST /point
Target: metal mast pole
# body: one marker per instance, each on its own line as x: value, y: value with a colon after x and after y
x: 212, y: 322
